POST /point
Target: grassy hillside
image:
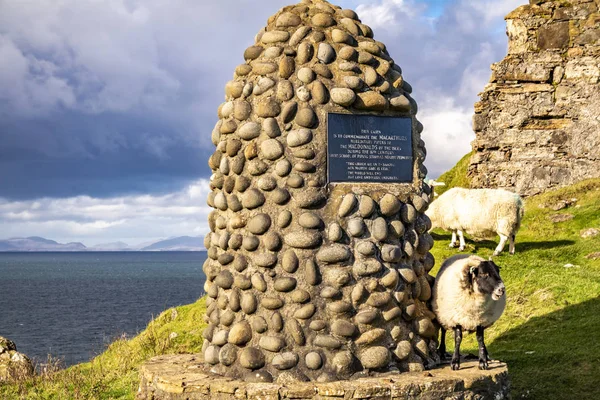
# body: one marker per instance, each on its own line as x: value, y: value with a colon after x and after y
x: 455, y: 177
x: 548, y: 335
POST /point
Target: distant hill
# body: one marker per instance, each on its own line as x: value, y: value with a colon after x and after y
x: 39, y: 244
x: 115, y: 246
x: 183, y: 243
x: 35, y: 243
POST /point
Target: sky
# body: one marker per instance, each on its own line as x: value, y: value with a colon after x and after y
x: 107, y: 106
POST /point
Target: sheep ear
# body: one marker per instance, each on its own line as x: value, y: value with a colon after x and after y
x: 474, y: 271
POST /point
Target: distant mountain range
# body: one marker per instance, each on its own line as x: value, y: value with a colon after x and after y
x: 39, y: 244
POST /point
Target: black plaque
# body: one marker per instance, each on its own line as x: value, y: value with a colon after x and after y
x: 370, y: 149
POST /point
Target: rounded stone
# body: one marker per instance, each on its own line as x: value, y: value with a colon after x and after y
x: 276, y: 322
x: 284, y: 219
x: 335, y: 232
x: 250, y: 243
x: 329, y: 292
x: 271, y: 303
x: 259, y: 224
x: 320, y: 93
x: 267, y: 183
x: 240, y: 333
x: 403, y: 350
x: 310, y: 220
x: 252, y: 358
x: 295, y: 181
x: 306, y: 75
x: 371, y: 76
x: 317, y: 325
x: 313, y: 360
x: 273, y: 52
x: 389, y: 205
x: 242, y: 110
x: 356, y: 227
x: 259, y: 325
x: 343, y: 328
x: 242, y: 282
x: 285, y: 91
x: 397, y: 229
x: 303, y: 239
x: 284, y: 284
x: 375, y: 357
x: 303, y: 93
x: 211, y: 355
x: 391, y: 279
x: 249, y: 303
x: 224, y: 280
x: 258, y: 282
x: 305, y: 312
x: 334, y: 253
x: 299, y: 137
x: 348, y: 53
x: 347, y: 206
x: 343, y: 97
x: 306, y: 52
x: 285, y: 361
x: 300, y: 296
x: 370, y: 101
x: 275, y: 37
x: 300, y: 34
x: 271, y: 127
x: 354, y: 83
x: 252, y: 199
x: 288, y: 19
x: 307, y: 118
x: 391, y: 253
x: 367, y: 316
x: 425, y: 328
x: 287, y: 66
x: 325, y: 53
x: 265, y: 260
x: 272, y: 241
x: 339, y: 36
x: 283, y: 168
x: 328, y: 342
x: 249, y: 131
x: 271, y: 343
x: 271, y: 149
x: 268, y: 107
x: 228, y: 355
x: 323, y: 20
x: 408, y: 214
x: 220, y: 338
x: 289, y: 112
x: 366, y: 248
x: 294, y: 329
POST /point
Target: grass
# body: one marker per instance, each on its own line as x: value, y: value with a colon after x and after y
x: 548, y: 334
x: 114, y: 373
x: 455, y: 177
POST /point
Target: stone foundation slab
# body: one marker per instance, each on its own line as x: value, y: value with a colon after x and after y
x: 184, y: 377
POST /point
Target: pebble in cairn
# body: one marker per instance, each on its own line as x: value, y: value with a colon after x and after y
x: 308, y: 281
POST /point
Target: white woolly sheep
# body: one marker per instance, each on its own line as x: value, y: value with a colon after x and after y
x: 468, y: 294
x: 482, y: 213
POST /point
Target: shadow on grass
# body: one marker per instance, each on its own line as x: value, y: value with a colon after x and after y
x: 556, y: 356
x: 522, y: 246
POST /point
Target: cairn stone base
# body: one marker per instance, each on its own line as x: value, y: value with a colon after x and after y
x: 179, y: 377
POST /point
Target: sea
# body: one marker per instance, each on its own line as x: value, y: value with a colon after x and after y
x: 72, y: 305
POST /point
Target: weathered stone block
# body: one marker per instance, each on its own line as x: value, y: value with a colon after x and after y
x: 554, y: 36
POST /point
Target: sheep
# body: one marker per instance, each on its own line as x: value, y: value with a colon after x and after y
x: 468, y: 294
x: 478, y: 212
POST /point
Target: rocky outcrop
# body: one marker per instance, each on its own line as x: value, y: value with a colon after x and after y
x: 538, y: 122
x: 308, y: 280
x: 13, y: 365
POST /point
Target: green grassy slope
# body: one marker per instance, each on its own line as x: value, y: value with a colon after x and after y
x: 548, y: 335
x: 455, y: 177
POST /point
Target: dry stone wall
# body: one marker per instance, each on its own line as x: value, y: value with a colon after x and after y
x: 538, y: 122
x: 310, y: 281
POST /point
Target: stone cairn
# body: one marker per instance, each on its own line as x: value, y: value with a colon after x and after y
x: 14, y: 366
x: 537, y: 123
x: 310, y: 281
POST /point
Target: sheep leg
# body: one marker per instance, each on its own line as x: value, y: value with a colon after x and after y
x: 503, y: 240
x: 455, y: 364
x: 453, y: 242
x: 483, y: 356
x: 511, y: 246
x: 461, y: 236
x: 442, y: 348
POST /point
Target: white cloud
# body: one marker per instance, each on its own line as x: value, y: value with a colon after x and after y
x: 132, y: 219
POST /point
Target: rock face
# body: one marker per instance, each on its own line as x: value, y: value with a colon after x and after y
x: 13, y: 365
x: 537, y: 123
x: 307, y: 280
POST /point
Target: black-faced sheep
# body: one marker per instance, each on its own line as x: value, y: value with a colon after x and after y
x: 482, y: 213
x: 469, y: 295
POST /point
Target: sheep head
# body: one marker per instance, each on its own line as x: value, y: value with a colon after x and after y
x: 484, y: 276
